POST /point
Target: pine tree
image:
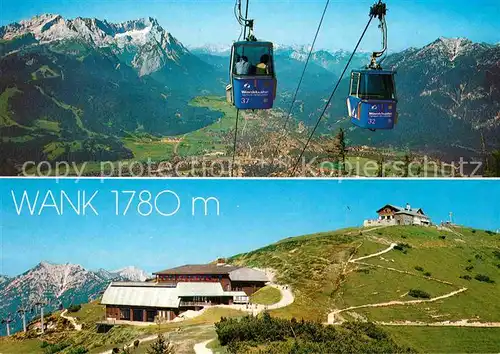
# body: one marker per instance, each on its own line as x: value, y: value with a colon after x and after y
x: 161, y: 346
x: 337, y: 149
x: 407, y: 160
x: 342, y: 147
x: 486, y: 167
x: 494, y: 170
x: 380, y: 169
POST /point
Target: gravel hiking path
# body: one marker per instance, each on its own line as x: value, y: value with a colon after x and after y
x: 77, y: 326
x: 461, y: 323
x: 201, y: 348
x: 388, y: 249
x: 332, y: 316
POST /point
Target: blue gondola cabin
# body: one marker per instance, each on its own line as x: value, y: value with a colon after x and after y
x: 372, y: 99
x: 253, y: 79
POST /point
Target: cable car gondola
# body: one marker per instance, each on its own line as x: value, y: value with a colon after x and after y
x: 372, y: 98
x: 252, y: 75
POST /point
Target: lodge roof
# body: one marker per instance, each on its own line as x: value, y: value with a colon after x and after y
x: 204, y: 289
x: 235, y: 273
x: 136, y: 295
x: 157, y: 295
x: 198, y: 269
x: 402, y: 210
x: 248, y: 274
x: 412, y: 213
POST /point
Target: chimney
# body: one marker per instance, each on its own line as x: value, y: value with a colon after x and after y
x: 408, y: 207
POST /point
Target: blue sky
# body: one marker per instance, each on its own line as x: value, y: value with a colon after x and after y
x: 253, y: 213
x: 198, y: 22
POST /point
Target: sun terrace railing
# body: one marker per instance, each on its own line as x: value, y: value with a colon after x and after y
x: 194, y: 303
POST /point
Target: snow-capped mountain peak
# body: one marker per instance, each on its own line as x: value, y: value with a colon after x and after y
x: 149, y: 44
x: 132, y: 273
x: 55, y: 284
x: 451, y: 48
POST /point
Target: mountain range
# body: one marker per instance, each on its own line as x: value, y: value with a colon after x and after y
x: 448, y: 93
x: 56, y: 284
x: 72, y: 89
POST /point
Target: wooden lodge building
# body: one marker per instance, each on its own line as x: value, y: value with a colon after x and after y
x: 395, y: 215
x: 173, y: 291
x: 231, y: 278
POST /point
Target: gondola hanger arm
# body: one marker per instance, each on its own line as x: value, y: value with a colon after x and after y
x: 379, y: 10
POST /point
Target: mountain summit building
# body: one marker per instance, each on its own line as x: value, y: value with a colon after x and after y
x: 395, y: 215
x: 176, y: 290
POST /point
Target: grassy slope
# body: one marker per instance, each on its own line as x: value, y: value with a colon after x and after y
x: 310, y: 264
x: 209, y: 139
x: 266, y: 296
x: 448, y: 339
x: 313, y: 264
x: 196, y: 143
x: 5, y: 118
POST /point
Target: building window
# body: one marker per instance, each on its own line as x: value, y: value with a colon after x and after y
x: 125, y: 314
x: 138, y: 315
x: 150, y: 315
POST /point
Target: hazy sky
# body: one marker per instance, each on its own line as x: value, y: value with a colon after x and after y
x: 199, y: 22
x: 253, y: 213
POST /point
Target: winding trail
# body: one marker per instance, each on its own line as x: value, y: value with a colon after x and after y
x: 405, y: 272
x: 131, y: 345
x: 332, y: 315
x: 461, y: 323
x: 388, y: 249
x: 201, y: 348
x: 77, y: 326
x: 287, y: 298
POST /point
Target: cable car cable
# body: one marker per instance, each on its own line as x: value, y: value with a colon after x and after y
x: 331, y: 97
x: 246, y: 20
x: 238, y: 111
x: 283, y: 130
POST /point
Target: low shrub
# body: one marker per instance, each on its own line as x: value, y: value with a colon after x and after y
x: 55, y: 348
x: 363, y: 270
x: 427, y: 274
x: 278, y: 335
x: 419, y: 268
x: 466, y: 277
x: 78, y: 350
x: 419, y: 294
x: 403, y: 247
x: 469, y: 268
x: 442, y: 237
x: 496, y: 254
x: 484, y: 278
x: 74, y: 308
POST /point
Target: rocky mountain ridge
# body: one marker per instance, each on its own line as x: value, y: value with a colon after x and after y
x: 58, y: 284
